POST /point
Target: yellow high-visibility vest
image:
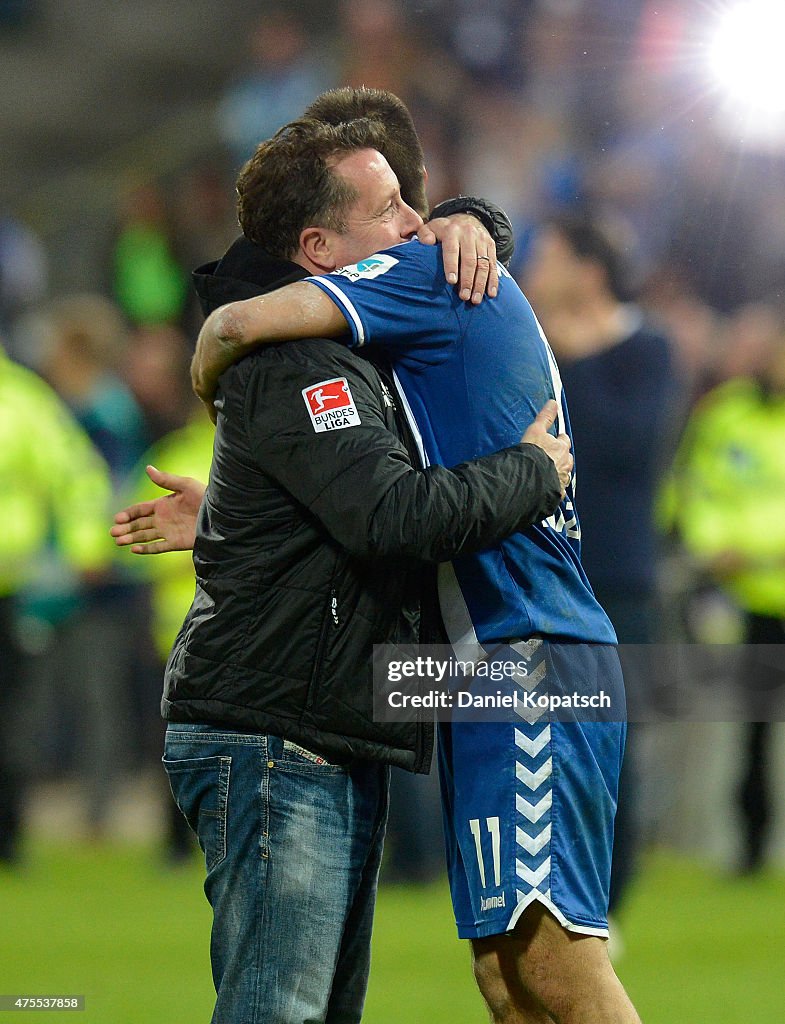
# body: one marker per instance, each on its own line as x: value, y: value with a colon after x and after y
x: 54, y: 485
x: 727, y: 490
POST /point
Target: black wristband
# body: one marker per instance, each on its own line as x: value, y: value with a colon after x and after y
x: 491, y: 216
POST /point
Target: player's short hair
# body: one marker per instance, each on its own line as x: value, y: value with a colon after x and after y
x: 400, y: 144
x: 289, y: 183
x: 590, y: 238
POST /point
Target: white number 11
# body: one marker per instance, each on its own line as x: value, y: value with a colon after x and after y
x: 493, y: 828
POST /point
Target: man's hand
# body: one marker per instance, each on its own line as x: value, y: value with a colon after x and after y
x: 556, y: 448
x: 466, y: 246
x: 165, y: 524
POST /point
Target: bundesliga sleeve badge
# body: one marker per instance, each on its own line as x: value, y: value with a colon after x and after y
x: 367, y: 269
x: 331, y: 406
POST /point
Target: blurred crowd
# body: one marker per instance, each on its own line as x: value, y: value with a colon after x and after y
x: 650, y: 241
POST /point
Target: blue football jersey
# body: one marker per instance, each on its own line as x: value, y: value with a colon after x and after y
x: 474, y: 378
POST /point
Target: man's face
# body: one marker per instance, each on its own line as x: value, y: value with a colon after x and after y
x: 553, y: 273
x: 379, y: 218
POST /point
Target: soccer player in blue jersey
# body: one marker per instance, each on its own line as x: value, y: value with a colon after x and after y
x: 528, y: 805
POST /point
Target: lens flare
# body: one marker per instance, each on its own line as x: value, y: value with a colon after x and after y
x: 746, y: 58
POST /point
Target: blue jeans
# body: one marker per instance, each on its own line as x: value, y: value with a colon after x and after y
x: 292, y: 846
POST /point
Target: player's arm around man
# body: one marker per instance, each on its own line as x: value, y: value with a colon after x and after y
x: 234, y: 330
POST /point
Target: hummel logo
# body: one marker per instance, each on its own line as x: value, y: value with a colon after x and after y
x: 492, y: 902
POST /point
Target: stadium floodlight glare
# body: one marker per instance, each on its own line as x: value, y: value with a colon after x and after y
x: 746, y: 58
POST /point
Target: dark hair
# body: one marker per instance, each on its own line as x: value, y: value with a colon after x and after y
x: 400, y: 143
x: 591, y: 239
x: 289, y: 183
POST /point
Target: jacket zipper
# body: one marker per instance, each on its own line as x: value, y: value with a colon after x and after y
x: 387, y: 397
x: 331, y: 617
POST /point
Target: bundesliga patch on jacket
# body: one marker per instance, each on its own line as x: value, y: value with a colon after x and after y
x: 330, y: 405
x: 367, y: 269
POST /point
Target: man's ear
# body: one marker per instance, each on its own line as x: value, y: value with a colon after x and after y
x: 316, y: 245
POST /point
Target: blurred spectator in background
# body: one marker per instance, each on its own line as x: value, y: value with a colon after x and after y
x: 286, y: 72
x: 156, y: 368
x: 528, y: 163
x: 518, y: 139
x: 86, y: 341
x: 206, y: 223
x: 23, y: 270
x: 637, y: 174
x: 379, y: 47
x: 618, y: 372
x: 83, y: 338
x: 54, y: 485
x: 149, y: 281
x: 726, y: 502
x: 486, y: 40
x: 398, y: 47
x: 694, y: 328
x: 712, y: 241
x: 204, y: 212
x: 553, y: 57
x: 750, y: 341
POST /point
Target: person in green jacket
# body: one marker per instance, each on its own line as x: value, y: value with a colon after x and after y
x: 726, y: 502
x: 54, y: 486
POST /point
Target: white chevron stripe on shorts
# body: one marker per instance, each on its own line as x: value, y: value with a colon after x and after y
x: 533, y: 780
x: 533, y: 876
x: 534, y: 812
x: 532, y: 746
x: 532, y: 679
x: 533, y: 844
x: 530, y: 715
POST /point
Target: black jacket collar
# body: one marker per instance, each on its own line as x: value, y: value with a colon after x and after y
x: 245, y: 270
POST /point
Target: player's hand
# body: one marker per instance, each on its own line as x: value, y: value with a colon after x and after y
x: 556, y: 448
x: 468, y: 252
x: 167, y: 523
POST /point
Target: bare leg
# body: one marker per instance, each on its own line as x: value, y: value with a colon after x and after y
x: 541, y: 968
x: 507, y: 1000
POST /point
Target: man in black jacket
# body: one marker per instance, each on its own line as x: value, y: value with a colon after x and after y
x: 309, y: 550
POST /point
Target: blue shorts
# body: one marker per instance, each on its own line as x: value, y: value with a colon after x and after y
x: 529, y: 805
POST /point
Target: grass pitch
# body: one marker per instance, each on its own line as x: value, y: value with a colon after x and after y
x: 111, y: 923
